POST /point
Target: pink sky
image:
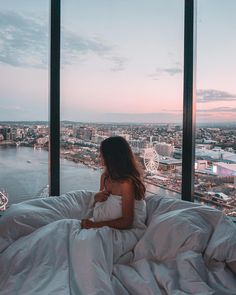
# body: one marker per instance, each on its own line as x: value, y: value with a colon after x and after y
x: 118, y: 60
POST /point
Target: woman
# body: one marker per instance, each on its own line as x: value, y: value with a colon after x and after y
x: 121, y: 177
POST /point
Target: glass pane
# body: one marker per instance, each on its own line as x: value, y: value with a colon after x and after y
x: 215, y: 167
x: 24, y: 98
x: 122, y: 74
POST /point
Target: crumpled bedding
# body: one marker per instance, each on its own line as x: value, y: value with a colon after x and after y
x: 182, y: 250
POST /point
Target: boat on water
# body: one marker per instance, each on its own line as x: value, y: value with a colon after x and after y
x: 3, y: 201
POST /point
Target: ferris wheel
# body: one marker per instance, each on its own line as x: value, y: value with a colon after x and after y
x: 151, y: 160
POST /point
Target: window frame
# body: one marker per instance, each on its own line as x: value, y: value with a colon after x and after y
x: 189, y: 93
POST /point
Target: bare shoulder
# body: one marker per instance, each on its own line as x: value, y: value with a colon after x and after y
x: 127, y: 186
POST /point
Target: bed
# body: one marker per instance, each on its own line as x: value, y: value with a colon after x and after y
x: 183, y: 249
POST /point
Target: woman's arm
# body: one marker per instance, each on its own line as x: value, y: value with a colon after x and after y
x: 103, y: 194
x: 127, y: 211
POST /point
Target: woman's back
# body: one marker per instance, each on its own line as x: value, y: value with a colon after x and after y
x: 112, y: 207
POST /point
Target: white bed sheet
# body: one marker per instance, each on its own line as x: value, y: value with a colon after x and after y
x: 183, y: 250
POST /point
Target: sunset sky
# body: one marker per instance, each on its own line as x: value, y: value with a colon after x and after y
x: 121, y: 60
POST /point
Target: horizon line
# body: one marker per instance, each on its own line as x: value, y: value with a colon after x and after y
x: 115, y: 122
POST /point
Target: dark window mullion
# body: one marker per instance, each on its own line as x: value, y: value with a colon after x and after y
x: 54, y: 100
x: 189, y: 108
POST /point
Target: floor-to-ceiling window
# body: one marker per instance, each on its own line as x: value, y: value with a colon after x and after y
x: 24, y: 27
x: 215, y: 164
x: 122, y: 74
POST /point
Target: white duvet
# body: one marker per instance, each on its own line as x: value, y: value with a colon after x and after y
x: 182, y: 251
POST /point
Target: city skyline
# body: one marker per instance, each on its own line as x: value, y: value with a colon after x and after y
x: 198, y: 125
x: 132, y: 59
x: 158, y: 149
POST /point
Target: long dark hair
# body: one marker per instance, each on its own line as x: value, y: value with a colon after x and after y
x: 121, y: 164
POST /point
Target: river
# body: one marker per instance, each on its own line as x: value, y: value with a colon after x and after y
x: 24, y: 173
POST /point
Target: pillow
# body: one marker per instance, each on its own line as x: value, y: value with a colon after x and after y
x: 108, y: 210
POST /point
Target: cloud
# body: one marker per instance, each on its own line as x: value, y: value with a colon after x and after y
x: 74, y: 46
x: 218, y: 110
x: 118, y: 63
x: 172, y: 71
x: 201, y: 115
x: 154, y: 76
x: 213, y: 95
x: 160, y: 117
x: 24, y: 42
x: 109, y: 117
x: 10, y: 107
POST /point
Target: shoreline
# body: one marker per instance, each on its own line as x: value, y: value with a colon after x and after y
x: 69, y: 157
x: 163, y: 187
x: 198, y: 195
x: 7, y: 143
x: 78, y: 161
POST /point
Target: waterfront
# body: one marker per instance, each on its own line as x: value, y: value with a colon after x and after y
x: 24, y: 173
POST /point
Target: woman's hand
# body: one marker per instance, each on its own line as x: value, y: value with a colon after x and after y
x: 86, y: 223
x: 101, y: 196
